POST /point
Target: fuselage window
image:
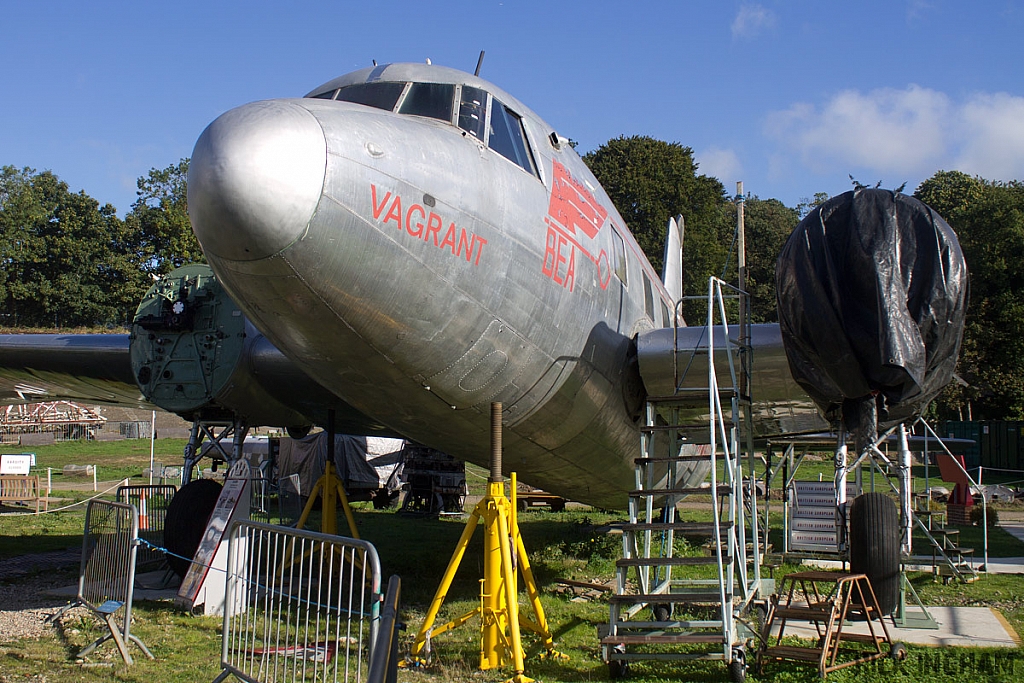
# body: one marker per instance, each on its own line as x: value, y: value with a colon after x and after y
x: 378, y: 95
x: 473, y: 111
x: 666, y: 316
x: 433, y: 100
x: 507, y: 137
x: 620, y: 256
x: 648, y: 298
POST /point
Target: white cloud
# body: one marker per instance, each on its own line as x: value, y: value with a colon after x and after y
x: 993, y: 137
x: 912, y: 131
x: 751, y: 20
x: 916, y: 9
x: 720, y: 163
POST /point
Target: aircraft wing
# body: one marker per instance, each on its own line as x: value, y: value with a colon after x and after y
x: 89, y: 368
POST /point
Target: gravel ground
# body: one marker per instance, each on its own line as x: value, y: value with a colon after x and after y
x: 25, y: 604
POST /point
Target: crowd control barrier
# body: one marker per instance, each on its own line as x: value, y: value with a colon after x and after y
x: 384, y: 663
x: 107, y: 577
x: 299, y: 606
x: 151, y: 502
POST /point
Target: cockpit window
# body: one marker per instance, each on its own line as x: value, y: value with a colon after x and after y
x: 433, y: 100
x: 380, y: 95
x: 329, y: 95
x: 473, y: 111
x: 507, y: 137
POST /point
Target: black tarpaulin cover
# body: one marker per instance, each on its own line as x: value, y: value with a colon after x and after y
x: 872, y: 293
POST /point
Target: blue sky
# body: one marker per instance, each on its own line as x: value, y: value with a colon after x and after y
x: 789, y: 96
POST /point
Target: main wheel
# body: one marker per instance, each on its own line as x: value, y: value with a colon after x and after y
x: 875, y: 546
x: 186, y: 519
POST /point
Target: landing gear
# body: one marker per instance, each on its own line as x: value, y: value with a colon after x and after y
x: 218, y: 432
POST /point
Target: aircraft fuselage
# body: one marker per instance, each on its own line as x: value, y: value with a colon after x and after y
x: 423, y: 267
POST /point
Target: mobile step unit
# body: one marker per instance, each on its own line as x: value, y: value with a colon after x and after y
x: 694, y: 604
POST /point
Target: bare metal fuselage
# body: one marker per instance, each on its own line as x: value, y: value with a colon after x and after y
x: 420, y: 275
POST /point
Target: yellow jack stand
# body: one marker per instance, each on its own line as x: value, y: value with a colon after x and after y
x: 500, y: 621
x: 330, y: 486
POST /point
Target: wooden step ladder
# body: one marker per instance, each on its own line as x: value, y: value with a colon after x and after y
x: 826, y: 600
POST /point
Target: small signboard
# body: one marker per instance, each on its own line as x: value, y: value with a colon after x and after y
x: 200, y: 587
x: 17, y: 463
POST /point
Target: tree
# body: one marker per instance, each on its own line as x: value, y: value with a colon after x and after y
x: 67, y: 261
x: 768, y: 224
x: 805, y: 206
x: 650, y: 180
x: 160, y: 217
x: 988, y: 218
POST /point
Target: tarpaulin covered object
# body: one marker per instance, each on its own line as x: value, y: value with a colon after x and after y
x: 872, y: 294
x: 363, y: 462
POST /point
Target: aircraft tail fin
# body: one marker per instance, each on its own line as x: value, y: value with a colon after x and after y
x: 672, y: 270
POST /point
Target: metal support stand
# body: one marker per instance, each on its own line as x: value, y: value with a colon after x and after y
x: 332, y: 488
x: 904, y: 619
x: 236, y: 430
x: 500, y: 636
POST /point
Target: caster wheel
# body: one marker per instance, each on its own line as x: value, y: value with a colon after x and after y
x: 662, y: 612
x: 898, y: 652
x: 618, y: 669
x: 738, y: 666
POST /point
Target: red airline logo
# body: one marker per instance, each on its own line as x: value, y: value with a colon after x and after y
x: 572, y: 206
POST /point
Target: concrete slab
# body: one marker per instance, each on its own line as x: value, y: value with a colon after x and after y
x: 958, y: 626
x: 149, y: 586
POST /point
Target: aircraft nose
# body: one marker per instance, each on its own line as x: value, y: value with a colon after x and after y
x: 255, y: 179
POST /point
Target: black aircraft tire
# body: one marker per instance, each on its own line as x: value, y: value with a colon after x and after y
x: 187, y: 515
x: 875, y: 546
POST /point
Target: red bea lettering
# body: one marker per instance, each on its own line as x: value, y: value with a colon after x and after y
x: 549, y: 254
x: 480, y: 242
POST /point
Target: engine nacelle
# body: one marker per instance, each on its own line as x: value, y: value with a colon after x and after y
x: 195, y: 354
x: 872, y: 295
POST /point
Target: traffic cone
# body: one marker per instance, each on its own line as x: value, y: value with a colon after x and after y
x: 143, y: 515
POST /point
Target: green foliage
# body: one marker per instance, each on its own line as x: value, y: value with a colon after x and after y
x: 160, y: 218
x: 979, y: 515
x: 767, y: 224
x: 988, y: 218
x: 805, y: 206
x: 650, y: 180
x: 67, y: 261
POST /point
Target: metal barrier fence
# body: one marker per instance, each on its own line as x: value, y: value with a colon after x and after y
x: 384, y: 662
x: 299, y: 606
x: 151, y: 503
x: 107, y: 577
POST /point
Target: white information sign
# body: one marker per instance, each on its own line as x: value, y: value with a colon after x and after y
x: 200, y: 586
x: 20, y: 463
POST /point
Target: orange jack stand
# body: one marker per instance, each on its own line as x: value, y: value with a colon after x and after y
x: 500, y: 620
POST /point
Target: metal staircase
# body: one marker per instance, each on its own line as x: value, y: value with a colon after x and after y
x: 697, y: 612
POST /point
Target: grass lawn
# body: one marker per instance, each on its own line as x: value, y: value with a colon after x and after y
x: 565, y: 545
